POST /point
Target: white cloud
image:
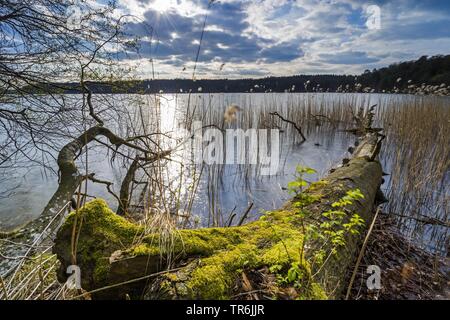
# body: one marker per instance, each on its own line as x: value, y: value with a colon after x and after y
x: 138, y: 8
x: 222, y: 46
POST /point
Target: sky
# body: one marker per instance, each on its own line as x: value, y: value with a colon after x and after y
x: 259, y: 38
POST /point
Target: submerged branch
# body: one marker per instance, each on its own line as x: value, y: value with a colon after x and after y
x: 299, y: 129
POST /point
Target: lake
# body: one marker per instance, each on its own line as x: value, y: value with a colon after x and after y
x: 209, y: 195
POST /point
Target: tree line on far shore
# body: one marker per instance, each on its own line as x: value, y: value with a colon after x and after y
x: 430, y: 71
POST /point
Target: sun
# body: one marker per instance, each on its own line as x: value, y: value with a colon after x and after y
x: 162, y: 6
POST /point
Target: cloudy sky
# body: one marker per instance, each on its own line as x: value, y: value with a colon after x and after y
x: 257, y: 38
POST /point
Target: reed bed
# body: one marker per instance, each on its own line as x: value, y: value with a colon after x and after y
x: 415, y: 154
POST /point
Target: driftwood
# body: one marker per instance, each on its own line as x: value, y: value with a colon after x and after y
x: 118, y: 260
x: 297, y: 127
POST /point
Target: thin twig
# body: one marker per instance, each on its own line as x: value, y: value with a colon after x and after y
x: 4, y: 288
x: 244, y: 216
x: 127, y: 282
x: 299, y: 129
x: 361, y: 253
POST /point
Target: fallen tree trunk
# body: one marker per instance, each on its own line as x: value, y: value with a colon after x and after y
x: 278, y: 253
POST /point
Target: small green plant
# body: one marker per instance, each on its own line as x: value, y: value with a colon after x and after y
x: 335, y: 225
x: 295, y: 274
x: 297, y: 187
x: 324, y: 238
x: 350, y: 196
x: 300, y: 184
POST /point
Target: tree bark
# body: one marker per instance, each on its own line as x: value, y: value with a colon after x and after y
x: 70, y: 177
x: 124, y: 194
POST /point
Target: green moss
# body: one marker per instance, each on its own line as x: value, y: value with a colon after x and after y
x: 96, y: 214
x: 172, y: 277
x: 317, y: 292
x: 255, y: 245
x: 204, y: 242
x: 314, y: 186
x: 215, y: 275
x: 143, y: 250
x: 274, y: 241
x: 283, y: 253
x: 190, y: 242
x: 100, y: 232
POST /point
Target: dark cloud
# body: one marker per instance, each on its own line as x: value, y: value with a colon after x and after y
x: 348, y: 57
x: 178, y: 36
x: 282, y: 52
x: 415, y: 30
x: 230, y: 16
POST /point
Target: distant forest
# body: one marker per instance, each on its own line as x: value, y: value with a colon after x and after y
x: 426, y: 70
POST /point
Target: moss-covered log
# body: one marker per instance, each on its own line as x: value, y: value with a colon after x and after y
x: 219, y: 263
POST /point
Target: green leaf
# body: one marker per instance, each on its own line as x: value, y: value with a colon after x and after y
x: 301, y: 169
x: 292, y: 275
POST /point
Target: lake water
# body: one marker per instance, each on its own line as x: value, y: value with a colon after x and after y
x: 220, y: 190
